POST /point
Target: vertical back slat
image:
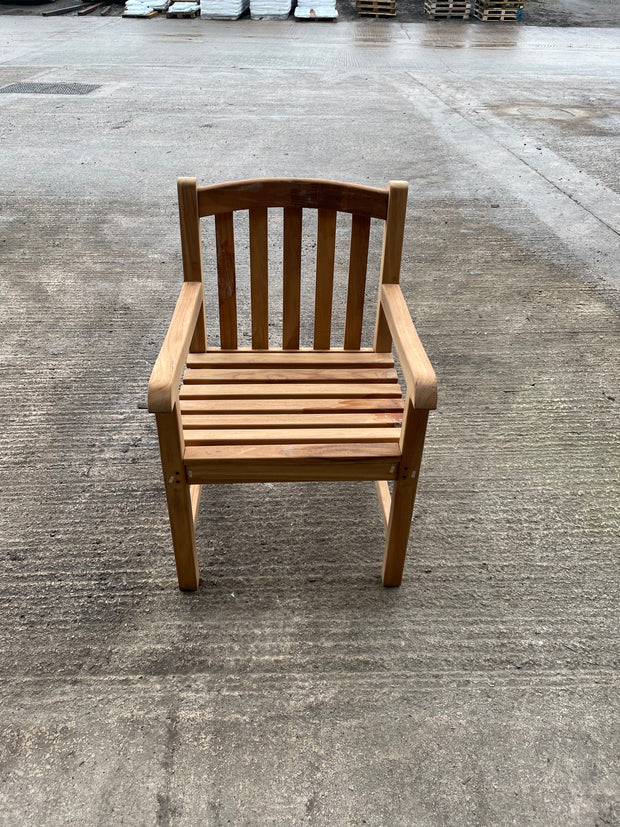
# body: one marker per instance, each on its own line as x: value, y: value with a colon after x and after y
x: 325, y: 251
x: 391, y: 255
x: 227, y: 291
x: 358, y: 265
x: 191, y: 249
x: 291, y: 292
x: 259, y: 277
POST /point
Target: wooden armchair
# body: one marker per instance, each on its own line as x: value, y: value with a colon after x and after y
x: 264, y: 414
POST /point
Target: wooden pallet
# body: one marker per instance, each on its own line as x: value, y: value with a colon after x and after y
x: 62, y: 10
x: 283, y: 16
x: 447, y: 10
x: 505, y: 13
x: 378, y: 8
x: 448, y: 6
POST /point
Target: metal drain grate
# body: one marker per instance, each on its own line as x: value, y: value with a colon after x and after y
x: 50, y: 88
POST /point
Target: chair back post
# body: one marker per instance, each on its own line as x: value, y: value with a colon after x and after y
x: 191, y: 249
x: 393, y: 236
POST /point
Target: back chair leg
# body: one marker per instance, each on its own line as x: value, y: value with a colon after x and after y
x: 179, y: 497
x: 403, y: 497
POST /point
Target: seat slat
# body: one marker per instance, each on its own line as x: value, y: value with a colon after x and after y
x: 292, y: 420
x: 325, y: 405
x: 325, y: 252
x: 259, y: 277
x: 289, y: 359
x: 291, y: 463
x: 227, y: 291
x: 358, y: 265
x: 304, y: 349
x: 291, y: 391
x: 262, y: 376
x: 289, y: 436
x: 291, y: 290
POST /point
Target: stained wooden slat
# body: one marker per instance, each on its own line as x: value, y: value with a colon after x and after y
x: 291, y: 463
x: 259, y: 277
x: 305, y: 405
x: 290, y: 436
x: 288, y: 359
x: 291, y: 290
x: 325, y: 252
x: 358, y: 265
x: 227, y: 291
x: 304, y: 349
x: 291, y: 420
x: 279, y: 375
x: 292, y: 192
x: 292, y: 391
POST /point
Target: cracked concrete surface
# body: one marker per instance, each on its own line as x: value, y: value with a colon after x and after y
x: 292, y: 688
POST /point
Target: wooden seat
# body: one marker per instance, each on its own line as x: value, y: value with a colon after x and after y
x: 265, y: 414
x: 302, y: 416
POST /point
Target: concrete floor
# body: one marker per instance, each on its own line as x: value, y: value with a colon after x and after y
x: 597, y: 13
x: 292, y: 688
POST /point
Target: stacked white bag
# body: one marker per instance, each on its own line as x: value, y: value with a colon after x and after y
x: 270, y: 9
x: 182, y: 7
x: 222, y: 9
x: 138, y: 8
x: 316, y: 9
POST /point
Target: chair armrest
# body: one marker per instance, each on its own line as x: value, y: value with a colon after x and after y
x: 166, y: 375
x: 419, y: 374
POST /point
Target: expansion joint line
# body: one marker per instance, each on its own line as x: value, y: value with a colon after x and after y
x: 514, y: 154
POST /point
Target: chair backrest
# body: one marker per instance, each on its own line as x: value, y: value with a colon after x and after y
x: 292, y: 196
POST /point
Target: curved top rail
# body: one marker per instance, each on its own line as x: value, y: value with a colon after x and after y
x: 312, y: 193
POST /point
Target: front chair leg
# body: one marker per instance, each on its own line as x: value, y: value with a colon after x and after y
x: 179, y: 498
x: 403, y: 496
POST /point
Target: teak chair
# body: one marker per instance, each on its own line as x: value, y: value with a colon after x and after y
x: 264, y: 414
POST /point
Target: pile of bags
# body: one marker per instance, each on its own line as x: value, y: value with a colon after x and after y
x: 139, y: 8
x: 222, y: 9
x: 316, y: 9
x: 270, y: 9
